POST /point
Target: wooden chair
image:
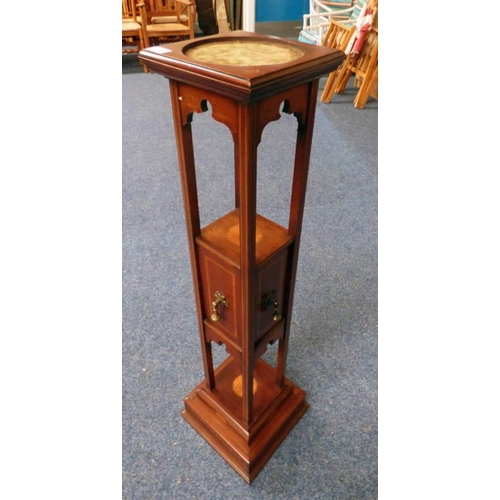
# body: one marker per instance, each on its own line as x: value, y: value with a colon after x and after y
x: 158, y: 25
x: 337, y: 37
x: 167, y: 7
x: 166, y: 11
x: 128, y: 11
x: 132, y: 34
x: 363, y: 64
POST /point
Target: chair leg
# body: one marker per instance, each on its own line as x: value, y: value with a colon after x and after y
x: 335, y: 81
x: 362, y: 95
x: 142, y: 45
x: 364, y: 90
x: 327, y: 93
x: 342, y: 79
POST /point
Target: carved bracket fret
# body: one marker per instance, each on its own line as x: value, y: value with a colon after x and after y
x: 213, y: 335
x: 269, y: 110
x: 225, y: 110
x: 195, y: 100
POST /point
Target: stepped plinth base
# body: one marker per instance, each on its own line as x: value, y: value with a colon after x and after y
x: 217, y: 416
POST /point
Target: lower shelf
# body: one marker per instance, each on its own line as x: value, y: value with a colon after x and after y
x: 212, y: 415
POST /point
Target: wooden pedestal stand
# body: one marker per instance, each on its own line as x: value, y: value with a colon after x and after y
x: 243, y: 265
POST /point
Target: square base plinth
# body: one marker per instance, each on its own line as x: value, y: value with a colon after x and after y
x: 216, y: 415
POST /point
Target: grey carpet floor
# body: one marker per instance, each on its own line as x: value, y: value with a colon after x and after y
x: 332, y: 452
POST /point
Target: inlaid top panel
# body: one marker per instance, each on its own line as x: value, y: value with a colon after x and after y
x: 244, y: 53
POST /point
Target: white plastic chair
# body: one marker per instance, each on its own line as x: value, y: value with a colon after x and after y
x: 315, y: 24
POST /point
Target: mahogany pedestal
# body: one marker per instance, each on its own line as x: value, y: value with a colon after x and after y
x: 244, y: 265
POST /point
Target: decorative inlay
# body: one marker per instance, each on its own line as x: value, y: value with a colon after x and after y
x: 238, y: 386
x: 233, y: 234
x: 244, y: 53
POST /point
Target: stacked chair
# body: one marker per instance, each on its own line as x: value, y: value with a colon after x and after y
x: 360, y: 43
x: 337, y: 37
x: 167, y: 20
x: 156, y: 21
x: 132, y: 34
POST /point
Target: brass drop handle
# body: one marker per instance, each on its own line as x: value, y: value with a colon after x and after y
x: 276, y: 316
x: 219, y: 299
x: 270, y: 299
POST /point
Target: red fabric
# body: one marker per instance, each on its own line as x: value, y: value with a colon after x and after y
x: 364, y: 25
x: 358, y: 43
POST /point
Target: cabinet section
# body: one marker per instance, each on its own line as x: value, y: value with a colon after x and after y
x: 220, y: 281
x: 218, y: 256
x: 223, y: 237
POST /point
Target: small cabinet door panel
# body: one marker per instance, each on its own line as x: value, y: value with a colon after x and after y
x: 271, y: 278
x: 219, y: 276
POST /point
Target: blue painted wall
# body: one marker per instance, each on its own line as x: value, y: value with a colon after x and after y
x: 280, y: 10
